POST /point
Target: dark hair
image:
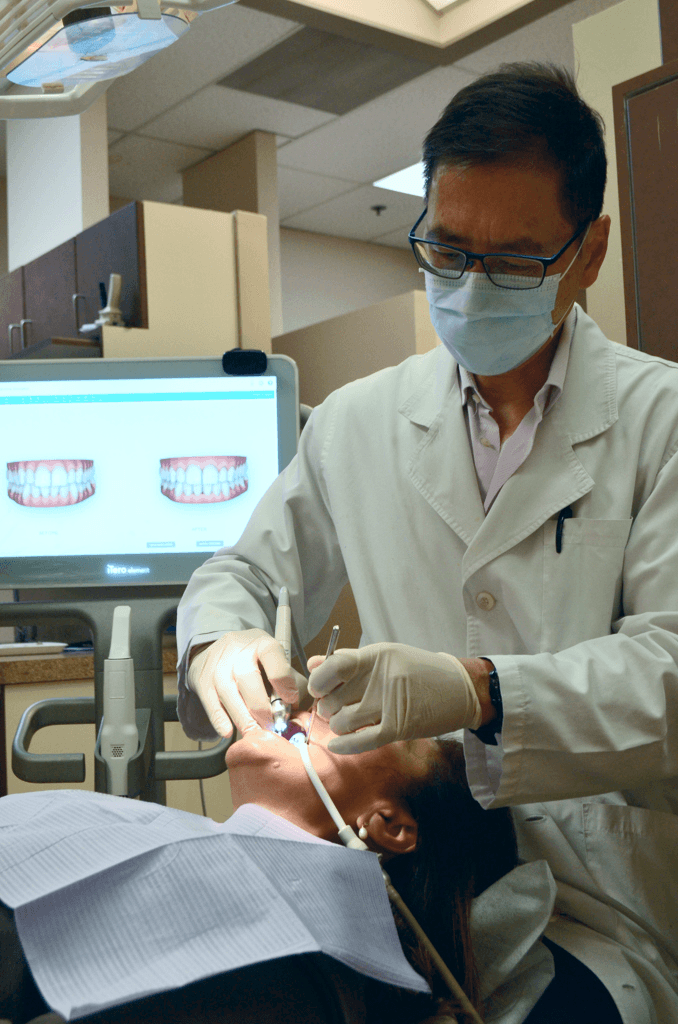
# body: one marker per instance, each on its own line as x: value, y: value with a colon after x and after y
x: 461, y: 850
x: 526, y: 111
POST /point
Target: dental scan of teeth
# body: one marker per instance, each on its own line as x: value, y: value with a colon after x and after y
x: 201, y: 480
x: 133, y: 469
x: 50, y: 483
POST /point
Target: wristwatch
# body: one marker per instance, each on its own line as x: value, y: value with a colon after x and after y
x: 488, y: 733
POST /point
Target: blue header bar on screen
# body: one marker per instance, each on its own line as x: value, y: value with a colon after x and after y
x: 176, y: 396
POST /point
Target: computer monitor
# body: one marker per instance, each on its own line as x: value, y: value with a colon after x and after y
x: 133, y: 471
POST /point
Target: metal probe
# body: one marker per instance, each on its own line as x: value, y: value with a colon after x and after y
x: 283, y: 634
x: 331, y: 647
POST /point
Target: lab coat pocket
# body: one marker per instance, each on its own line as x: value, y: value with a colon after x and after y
x: 582, y: 583
x: 631, y: 855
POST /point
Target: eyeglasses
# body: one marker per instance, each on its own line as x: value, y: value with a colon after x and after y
x: 449, y: 262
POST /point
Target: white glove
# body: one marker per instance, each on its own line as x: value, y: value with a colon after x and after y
x: 227, y: 678
x: 386, y: 692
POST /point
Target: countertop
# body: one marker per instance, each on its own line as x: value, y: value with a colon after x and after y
x: 50, y: 668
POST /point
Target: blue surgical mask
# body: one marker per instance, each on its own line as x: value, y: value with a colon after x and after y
x: 491, y: 330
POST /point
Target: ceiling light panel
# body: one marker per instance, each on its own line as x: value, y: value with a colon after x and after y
x: 325, y: 72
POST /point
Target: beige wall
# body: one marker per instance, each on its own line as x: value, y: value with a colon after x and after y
x: 323, y: 277
x: 337, y: 351
x: 612, y: 47
x: 244, y: 177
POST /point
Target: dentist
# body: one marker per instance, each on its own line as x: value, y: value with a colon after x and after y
x: 505, y: 508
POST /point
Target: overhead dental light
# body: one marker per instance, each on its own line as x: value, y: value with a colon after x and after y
x: 72, y: 53
x: 96, y: 44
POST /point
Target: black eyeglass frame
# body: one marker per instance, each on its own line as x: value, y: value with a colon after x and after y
x: 470, y: 257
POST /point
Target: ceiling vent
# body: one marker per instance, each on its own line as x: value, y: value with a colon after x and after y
x: 324, y: 71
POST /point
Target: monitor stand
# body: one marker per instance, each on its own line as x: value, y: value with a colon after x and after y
x: 152, y: 610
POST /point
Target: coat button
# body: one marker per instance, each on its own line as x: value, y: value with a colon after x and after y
x: 485, y: 601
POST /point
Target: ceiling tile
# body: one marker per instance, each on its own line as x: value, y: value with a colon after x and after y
x: 113, y: 137
x: 351, y: 216
x: 216, y: 117
x: 298, y: 190
x: 380, y: 137
x: 395, y: 239
x: 325, y: 71
x: 149, y: 169
x: 218, y: 42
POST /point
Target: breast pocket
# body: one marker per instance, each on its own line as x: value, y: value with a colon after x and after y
x: 583, y: 583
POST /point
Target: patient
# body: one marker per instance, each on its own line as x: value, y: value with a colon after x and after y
x: 442, y: 851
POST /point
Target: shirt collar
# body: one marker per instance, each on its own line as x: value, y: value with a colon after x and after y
x: 553, y: 386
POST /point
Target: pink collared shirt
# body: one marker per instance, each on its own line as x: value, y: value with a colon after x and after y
x: 495, y: 463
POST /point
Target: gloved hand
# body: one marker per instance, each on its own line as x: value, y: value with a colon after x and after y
x: 392, y: 692
x: 227, y: 678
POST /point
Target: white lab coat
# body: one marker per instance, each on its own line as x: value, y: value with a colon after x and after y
x: 384, y: 493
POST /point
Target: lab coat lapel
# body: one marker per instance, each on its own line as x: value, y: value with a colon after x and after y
x: 553, y: 477
x: 442, y: 466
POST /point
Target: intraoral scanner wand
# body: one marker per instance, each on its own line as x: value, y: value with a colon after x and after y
x: 119, y: 735
x: 283, y: 634
x: 331, y: 648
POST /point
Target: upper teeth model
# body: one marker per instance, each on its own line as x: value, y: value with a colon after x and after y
x: 50, y: 483
x: 201, y: 479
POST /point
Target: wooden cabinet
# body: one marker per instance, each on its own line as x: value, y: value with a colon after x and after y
x: 49, y: 286
x: 113, y: 246
x: 11, y: 312
x: 42, y: 294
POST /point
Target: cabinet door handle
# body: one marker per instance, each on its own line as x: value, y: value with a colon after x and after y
x: 22, y: 328
x: 78, y: 295
x: 10, y: 328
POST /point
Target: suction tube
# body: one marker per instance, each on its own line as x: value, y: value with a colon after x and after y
x: 351, y: 840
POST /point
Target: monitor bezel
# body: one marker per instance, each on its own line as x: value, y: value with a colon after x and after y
x: 174, y: 569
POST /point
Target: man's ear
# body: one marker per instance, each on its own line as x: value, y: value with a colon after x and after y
x: 596, y: 248
x: 390, y: 827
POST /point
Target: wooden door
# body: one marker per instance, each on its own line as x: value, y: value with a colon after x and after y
x: 11, y: 311
x: 49, y: 286
x: 646, y: 129
x: 114, y: 245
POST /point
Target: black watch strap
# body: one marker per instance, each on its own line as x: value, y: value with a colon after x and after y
x: 488, y: 733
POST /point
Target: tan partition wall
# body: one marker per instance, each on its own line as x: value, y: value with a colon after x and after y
x: 345, y: 348
x: 207, y: 285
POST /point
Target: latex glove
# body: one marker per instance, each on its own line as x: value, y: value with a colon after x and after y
x: 386, y: 692
x: 227, y: 678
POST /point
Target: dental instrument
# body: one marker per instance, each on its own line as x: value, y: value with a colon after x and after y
x: 119, y: 735
x: 351, y: 840
x: 331, y: 647
x: 283, y: 634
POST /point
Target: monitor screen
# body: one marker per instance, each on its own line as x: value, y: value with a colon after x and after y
x: 134, y: 471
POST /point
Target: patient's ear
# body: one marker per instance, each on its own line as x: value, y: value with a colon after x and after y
x: 390, y: 827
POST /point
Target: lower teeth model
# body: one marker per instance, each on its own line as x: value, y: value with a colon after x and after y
x: 50, y: 483
x: 203, y: 479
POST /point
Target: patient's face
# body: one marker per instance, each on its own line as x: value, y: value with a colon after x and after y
x: 267, y: 770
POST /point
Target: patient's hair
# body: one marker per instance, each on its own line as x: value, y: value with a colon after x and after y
x: 461, y: 850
